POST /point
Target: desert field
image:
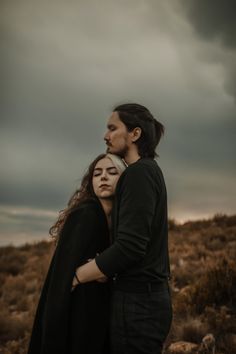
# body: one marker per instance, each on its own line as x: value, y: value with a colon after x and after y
x: 203, y: 285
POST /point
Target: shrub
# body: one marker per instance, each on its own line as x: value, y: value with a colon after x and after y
x: 224, y: 220
x: 216, y: 287
x: 11, y: 260
x: 173, y: 225
x: 16, y: 346
x: 14, y: 291
x: 192, y: 329
x: 12, y: 327
x: 222, y: 324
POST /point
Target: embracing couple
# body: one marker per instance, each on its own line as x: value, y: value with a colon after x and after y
x: 106, y: 291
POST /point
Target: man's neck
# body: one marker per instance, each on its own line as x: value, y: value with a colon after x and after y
x: 131, y: 156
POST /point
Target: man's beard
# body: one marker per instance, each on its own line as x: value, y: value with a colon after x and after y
x: 121, y: 153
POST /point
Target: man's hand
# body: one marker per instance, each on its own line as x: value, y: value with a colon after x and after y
x: 88, y: 272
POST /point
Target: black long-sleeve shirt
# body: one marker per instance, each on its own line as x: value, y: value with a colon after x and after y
x: 140, y: 226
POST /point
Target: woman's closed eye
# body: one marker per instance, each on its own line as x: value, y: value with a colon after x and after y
x: 96, y: 174
x: 112, y: 171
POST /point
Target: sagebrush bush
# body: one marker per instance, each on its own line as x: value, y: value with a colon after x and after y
x: 220, y: 320
x: 216, y: 287
x: 11, y: 260
x: 224, y: 220
x: 12, y: 327
x: 16, y: 346
x: 192, y: 329
x: 14, y: 290
x: 222, y: 323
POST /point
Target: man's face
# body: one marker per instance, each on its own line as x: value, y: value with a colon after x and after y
x: 117, y: 137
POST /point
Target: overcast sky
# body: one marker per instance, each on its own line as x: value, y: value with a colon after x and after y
x: 65, y: 64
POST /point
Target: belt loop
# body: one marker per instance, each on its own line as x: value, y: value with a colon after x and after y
x: 149, y: 288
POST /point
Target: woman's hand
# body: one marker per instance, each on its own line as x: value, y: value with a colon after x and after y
x: 102, y: 280
x: 75, y: 281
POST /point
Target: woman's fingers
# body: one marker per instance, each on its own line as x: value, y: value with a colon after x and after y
x: 74, y: 283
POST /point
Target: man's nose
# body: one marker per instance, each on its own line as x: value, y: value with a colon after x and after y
x: 106, y: 136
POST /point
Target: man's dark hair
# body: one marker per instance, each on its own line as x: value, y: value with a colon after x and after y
x: 135, y: 115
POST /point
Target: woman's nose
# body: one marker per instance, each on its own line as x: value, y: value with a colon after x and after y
x: 104, y: 175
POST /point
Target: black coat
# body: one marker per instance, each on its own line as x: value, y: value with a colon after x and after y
x: 74, y: 322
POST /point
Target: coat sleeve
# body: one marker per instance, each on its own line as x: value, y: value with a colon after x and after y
x: 77, y: 233
x: 138, y: 196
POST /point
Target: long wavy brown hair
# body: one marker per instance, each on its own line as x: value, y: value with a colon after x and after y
x: 83, y: 193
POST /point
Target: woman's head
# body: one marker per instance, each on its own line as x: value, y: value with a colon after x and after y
x: 99, y: 182
x: 94, y: 173
x: 105, y: 176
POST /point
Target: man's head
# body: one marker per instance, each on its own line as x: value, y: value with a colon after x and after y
x: 132, y: 126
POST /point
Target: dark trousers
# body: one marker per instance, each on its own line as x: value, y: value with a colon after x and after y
x: 140, y: 321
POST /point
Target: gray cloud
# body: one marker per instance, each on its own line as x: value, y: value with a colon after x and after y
x: 66, y: 64
x: 19, y: 225
x: 215, y: 22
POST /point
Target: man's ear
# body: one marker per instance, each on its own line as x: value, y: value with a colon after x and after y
x: 136, y: 133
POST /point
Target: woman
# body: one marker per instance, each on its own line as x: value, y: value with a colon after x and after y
x: 72, y: 322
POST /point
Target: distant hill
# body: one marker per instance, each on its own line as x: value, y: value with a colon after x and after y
x: 203, y: 266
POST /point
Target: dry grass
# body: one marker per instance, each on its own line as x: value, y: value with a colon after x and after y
x: 203, y: 263
x: 203, y: 266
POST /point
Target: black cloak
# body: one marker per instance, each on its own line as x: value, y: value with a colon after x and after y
x: 74, y: 322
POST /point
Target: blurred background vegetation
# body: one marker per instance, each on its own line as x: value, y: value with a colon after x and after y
x: 203, y: 265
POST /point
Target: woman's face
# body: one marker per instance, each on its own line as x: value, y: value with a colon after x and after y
x: 105, y: 177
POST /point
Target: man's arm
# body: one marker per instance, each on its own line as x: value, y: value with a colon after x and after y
x: 88, y: 272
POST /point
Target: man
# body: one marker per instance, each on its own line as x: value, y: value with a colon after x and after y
x: 138, y: 260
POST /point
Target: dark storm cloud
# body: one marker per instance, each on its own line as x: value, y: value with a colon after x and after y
x: 215, y: 22
x: 213, y: 19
